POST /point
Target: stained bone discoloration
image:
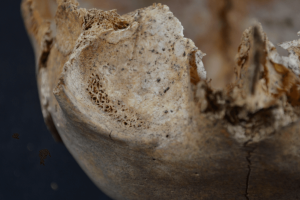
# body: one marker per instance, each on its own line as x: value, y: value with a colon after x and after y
x: 129, y: 96
x: 259, y: 102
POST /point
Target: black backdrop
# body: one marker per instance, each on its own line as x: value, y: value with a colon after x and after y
x: 21, y: 175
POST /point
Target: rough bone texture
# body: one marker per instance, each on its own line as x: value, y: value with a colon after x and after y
x: 217, y: 25
x: 130, y: 98
x: 263, y: 97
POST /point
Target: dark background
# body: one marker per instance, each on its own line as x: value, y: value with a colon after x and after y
x: 21, y: 175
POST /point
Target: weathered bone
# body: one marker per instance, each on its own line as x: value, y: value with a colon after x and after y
x: 129, y: 97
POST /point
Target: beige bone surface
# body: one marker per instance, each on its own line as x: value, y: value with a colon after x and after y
x: 130, y: 98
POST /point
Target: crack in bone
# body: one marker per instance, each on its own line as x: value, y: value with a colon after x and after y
x: 248, y: 158
x: 263, y: 98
